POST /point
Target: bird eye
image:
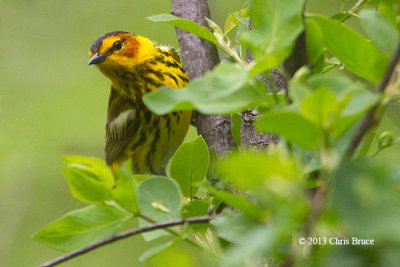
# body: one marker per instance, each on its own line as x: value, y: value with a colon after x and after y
x: 117, y: 45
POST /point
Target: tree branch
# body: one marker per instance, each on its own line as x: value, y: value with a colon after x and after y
x: 198, y: 57
x: 297, y: 59
x: 367, y: 122
x: 119, y: 236
x: 249, y: 137
x: 369, y: 119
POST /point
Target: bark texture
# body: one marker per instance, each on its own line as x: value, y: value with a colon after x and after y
x: 298, y: 58
x: 249, y: 137
x: 198, y: 57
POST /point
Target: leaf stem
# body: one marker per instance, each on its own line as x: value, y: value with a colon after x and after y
x: 148, y: 219
x: 353, y: 10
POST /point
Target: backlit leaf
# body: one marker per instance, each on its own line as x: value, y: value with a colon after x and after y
x: 356, y: 52
x: 186, y: 25
x: 90, y: 180
x: 292, y: 126
x: 81, y: 227
x: 226, y: 89
x: 276, y: 25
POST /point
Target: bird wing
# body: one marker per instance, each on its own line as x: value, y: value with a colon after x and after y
x: 121, y: 126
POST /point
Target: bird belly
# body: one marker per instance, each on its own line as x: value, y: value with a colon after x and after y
x: 155, y: 144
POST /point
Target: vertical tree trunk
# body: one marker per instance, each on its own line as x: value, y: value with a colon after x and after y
x: 198, y: 57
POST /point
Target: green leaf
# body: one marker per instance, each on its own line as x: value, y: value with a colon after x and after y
x: 191, y: 134
x: 189, y: 165
x: 196, y: 208
x: 236, y: 126
x: 337, y: 83
x: 357, y: 53
x: 251, y: 170
x: 314, y: 42
x: 161, y: 190
x: 212, y: 173
x: 175, y: 256
x: 355, y: 102
x: 90, y: 180
x: 97, y: 167
x: 234, y: 19
x: 124, y: 192
x: 242, y: 204
x: 340, y: 16
x: 227, y: 79
x: 258, y: 241
x: 292, y: 126
x: 298, y: 91
x: 315, y: 47
x: 272, y: 239
x: 157, y: 192
x: 224, y: 90
x: 339, y: 107
x: 255, y: 242
x: 186, y: 25
x: 302, y: 74
x: 214, y: 27
x: 140, y: 177
x: 81, y: 227
x: 390, y: 10
x: 378, y: 29
x: 319, y: 106
x: 367, y: 196
x: 276, y: 25
x: 232, y: 227
x: 155, y: 250
x: 360, y: 102
x: 152, y: 235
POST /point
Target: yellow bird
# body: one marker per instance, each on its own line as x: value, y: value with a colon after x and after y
x: 136, y: 66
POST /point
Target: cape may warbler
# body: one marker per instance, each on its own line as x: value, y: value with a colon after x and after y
x: 135, y: 66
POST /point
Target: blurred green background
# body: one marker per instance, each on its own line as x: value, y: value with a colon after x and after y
x: 52, y: 104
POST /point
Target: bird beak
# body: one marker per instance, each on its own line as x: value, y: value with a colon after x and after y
x: 97, y: 58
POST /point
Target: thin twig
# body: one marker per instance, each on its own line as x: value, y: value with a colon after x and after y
x: 369, y: 119
x: 353, y: 10
x: 317, y: 206
x: 150, y: 220
x: 366, y: 124
x: 123, y: 235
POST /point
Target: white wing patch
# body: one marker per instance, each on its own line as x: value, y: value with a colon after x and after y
x: 165, y: 47
x: 117, y: 126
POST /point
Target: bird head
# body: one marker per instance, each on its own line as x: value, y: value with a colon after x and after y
x: 119, y: 51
